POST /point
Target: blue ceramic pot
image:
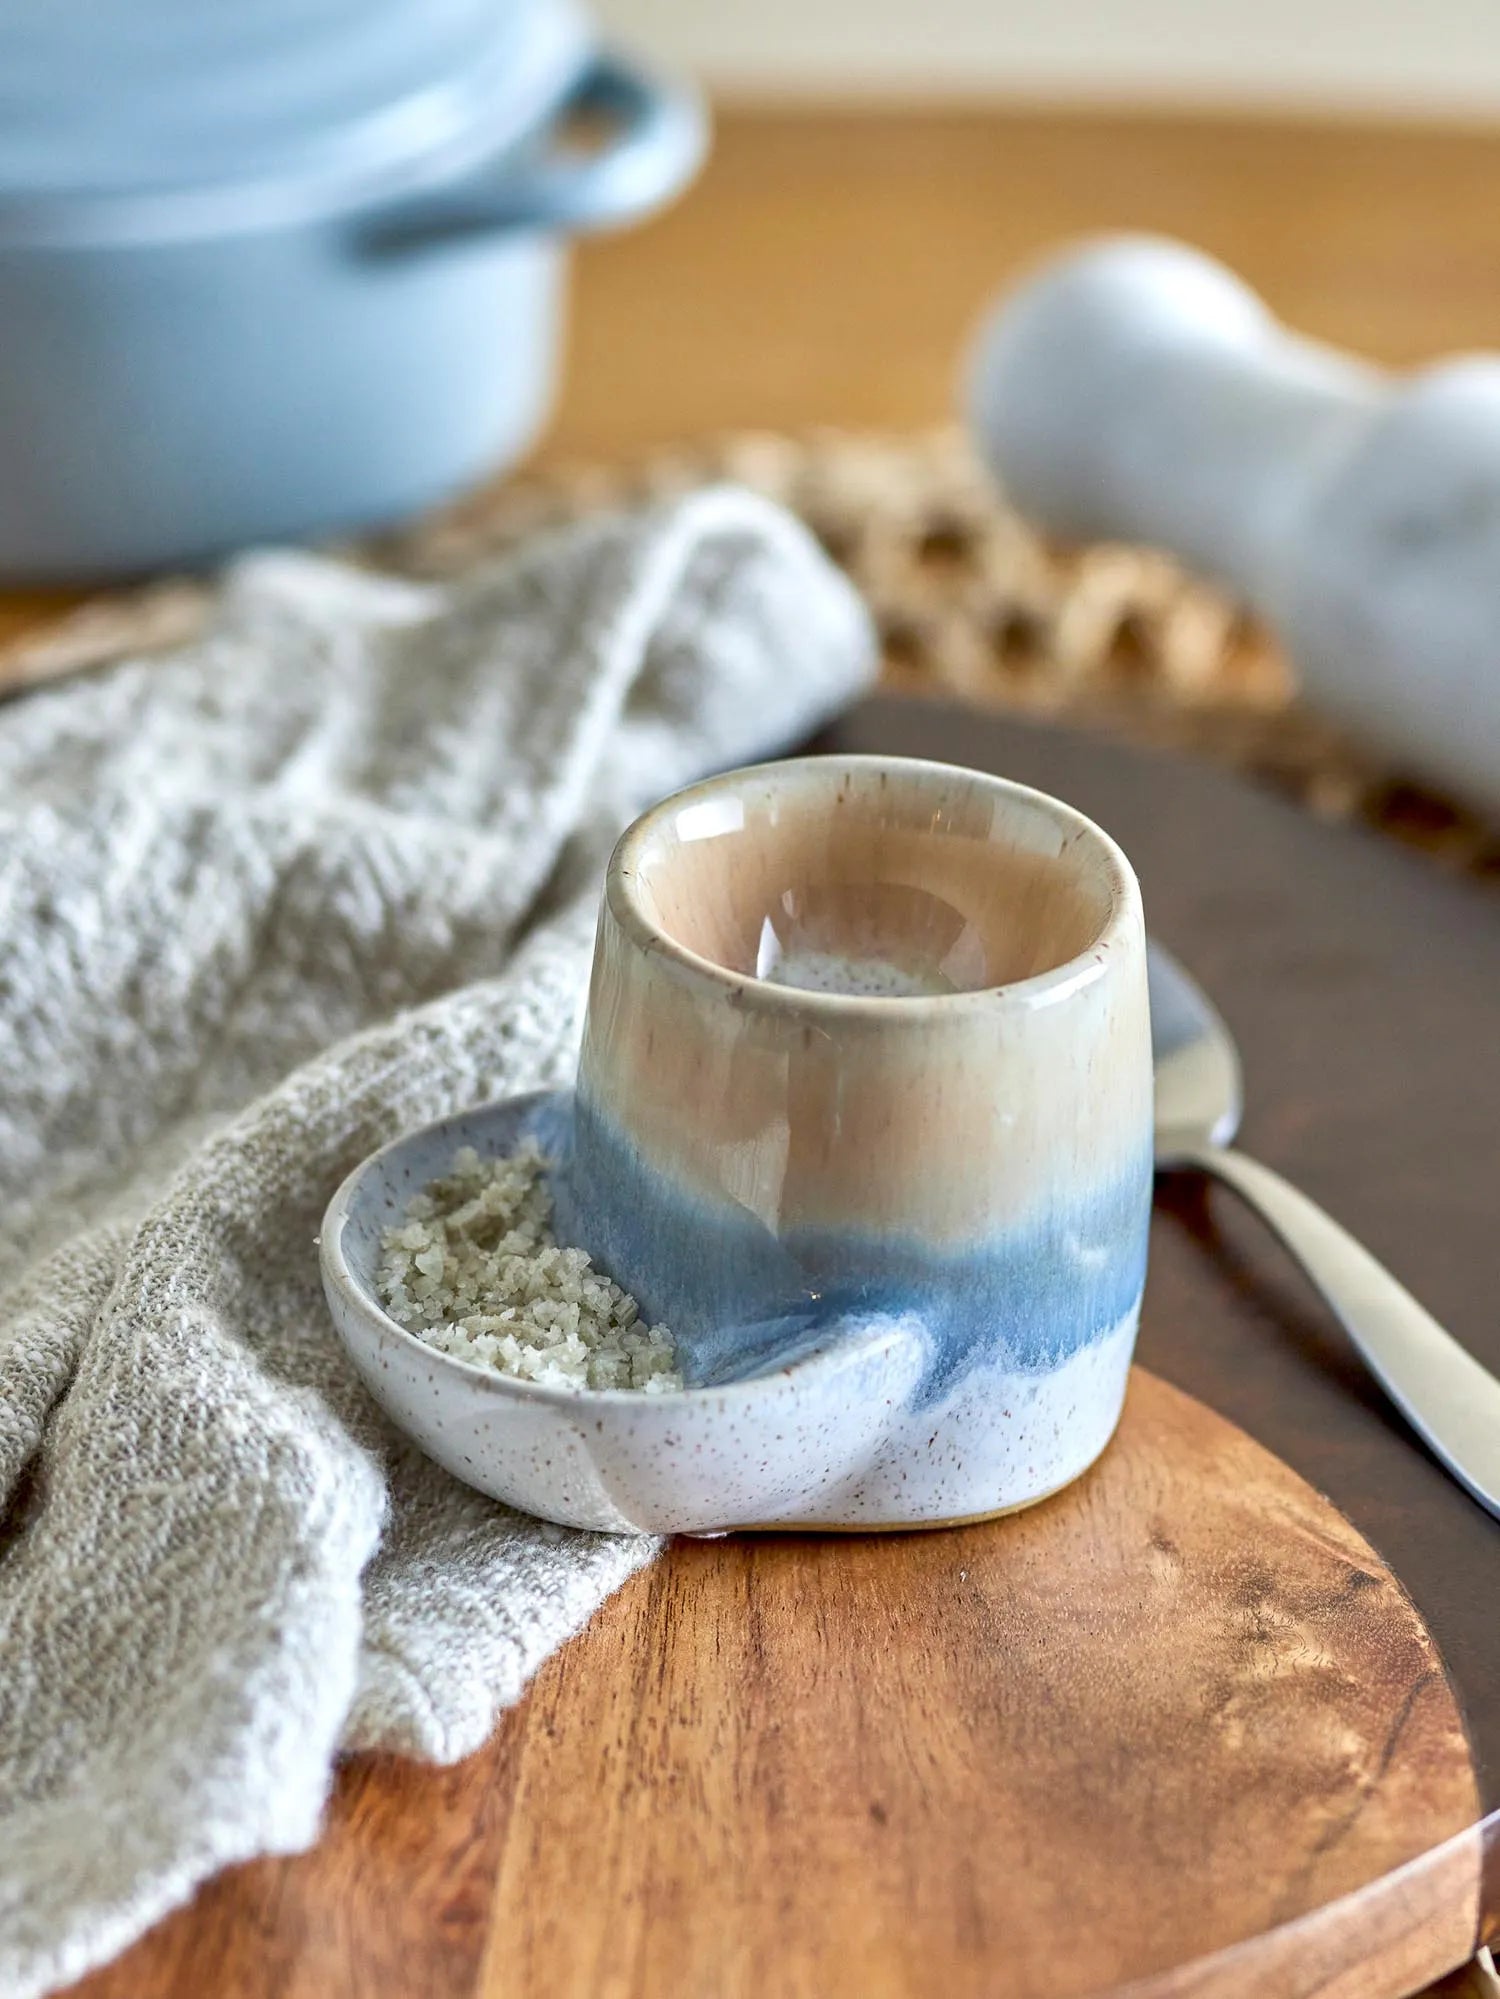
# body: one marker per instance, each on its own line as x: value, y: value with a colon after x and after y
x: 292, y: 266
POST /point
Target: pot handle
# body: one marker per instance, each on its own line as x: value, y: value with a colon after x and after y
x: 659, y: 138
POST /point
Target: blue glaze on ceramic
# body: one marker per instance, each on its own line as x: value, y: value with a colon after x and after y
x: 1026, y: 1301
x: 742, y: 1303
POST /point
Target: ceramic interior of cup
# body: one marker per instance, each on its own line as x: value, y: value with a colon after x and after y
x: 869, y: 882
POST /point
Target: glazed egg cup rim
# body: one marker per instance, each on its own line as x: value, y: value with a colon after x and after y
x: 509, y: 1387
x: 1057, y: 982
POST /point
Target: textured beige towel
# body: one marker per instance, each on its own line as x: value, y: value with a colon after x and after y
x: 223, y: 877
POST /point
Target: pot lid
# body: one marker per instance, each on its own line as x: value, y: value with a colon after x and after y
x: 191, y: 101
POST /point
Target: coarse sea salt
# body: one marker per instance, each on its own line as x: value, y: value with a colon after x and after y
x: 475, y: 1271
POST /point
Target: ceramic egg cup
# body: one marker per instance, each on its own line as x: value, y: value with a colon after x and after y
x: 900, y: 1239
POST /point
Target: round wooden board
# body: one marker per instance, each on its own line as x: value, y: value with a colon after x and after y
x: 1174, y: 1706
x: 1178, y: 1731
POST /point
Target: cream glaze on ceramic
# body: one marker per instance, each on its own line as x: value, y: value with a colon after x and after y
x: 934, y: 1118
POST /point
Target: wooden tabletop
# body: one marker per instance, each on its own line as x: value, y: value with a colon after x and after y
x: 828, y: 269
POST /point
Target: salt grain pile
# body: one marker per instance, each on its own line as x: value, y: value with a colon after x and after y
x: 475, y: 1271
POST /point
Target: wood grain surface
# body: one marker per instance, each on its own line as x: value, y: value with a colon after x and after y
x: 816, y: 1766
x: 1176, y: 1707
x: 830, y: 266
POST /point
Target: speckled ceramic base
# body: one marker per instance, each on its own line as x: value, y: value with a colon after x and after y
x: 933, y: 1526
x: 1014, y: 1437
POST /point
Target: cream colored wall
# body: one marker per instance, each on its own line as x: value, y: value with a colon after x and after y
x: 1404, y: 55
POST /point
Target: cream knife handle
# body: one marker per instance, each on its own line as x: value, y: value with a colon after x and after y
x: 1447, y: 1397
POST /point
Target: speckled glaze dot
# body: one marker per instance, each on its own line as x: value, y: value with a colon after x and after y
x: 871, y: 977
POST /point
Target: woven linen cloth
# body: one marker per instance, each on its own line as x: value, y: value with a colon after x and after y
x: 266, y: 902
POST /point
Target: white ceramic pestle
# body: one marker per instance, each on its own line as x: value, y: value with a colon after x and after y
x: 1135, y: 390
